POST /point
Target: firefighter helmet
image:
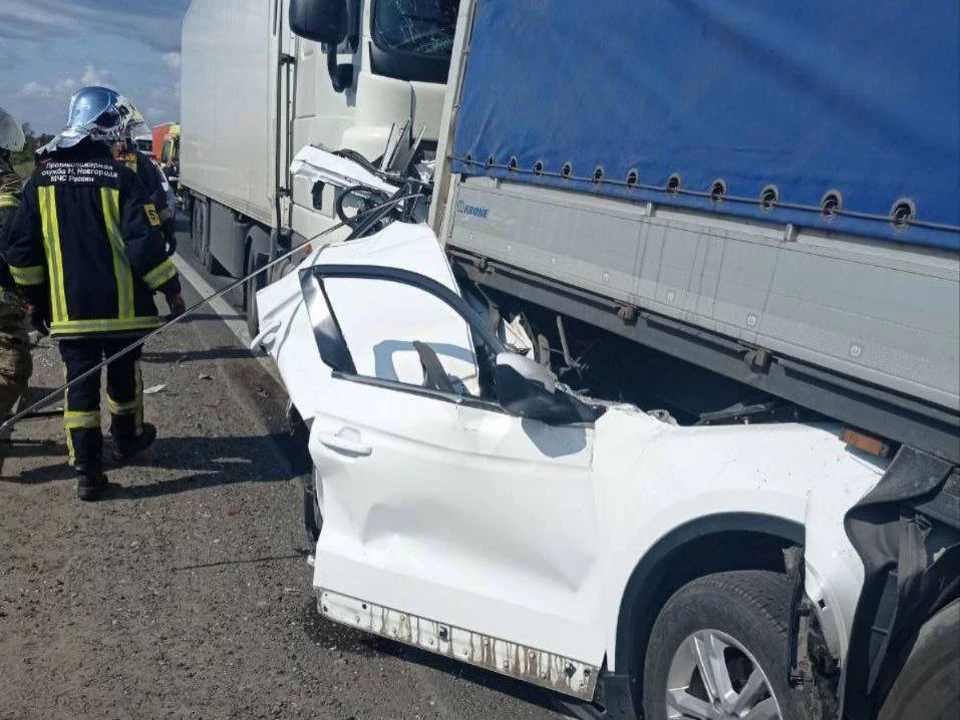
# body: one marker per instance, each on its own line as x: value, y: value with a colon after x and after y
x: 11, y: 133
x: 93, y: 114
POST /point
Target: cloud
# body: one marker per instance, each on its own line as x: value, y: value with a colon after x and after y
x: 156, y: 24
x: 92, y: 75
x: 171, y: 60
x: 33, y: 89
x: 47, y: 45
x: 63, y: 89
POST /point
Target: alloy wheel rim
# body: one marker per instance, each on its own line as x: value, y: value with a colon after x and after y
x: 714, y: 677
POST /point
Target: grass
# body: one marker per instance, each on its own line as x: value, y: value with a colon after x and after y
x: 23, y: 169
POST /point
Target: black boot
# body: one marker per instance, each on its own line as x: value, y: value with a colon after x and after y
x: 91, y: 485
x: 128, y: 447
x: 91, y: 482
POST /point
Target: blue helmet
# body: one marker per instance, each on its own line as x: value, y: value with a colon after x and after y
x: 94, y: 114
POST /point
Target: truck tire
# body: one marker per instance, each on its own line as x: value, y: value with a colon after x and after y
x: 196, y: 228
x: 719, y: 649
x: 250, y: 287
x: 928, y: 687
x: 209, y: 262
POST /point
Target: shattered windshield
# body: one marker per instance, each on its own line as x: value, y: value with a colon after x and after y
x: 420, y: 27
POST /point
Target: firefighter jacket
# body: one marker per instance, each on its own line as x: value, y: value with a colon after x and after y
x: 154, y: 180
x: 85, y: 244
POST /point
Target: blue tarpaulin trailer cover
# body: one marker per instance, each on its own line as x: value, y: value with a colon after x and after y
x: 822, y: 104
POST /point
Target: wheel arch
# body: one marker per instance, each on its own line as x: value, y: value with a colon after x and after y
x: 717, y: 543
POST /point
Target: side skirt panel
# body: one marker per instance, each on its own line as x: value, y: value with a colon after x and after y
x: 539, y: 667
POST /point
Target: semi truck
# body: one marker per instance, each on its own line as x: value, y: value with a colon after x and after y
x: 746, y: 216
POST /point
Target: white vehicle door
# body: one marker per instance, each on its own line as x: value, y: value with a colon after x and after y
x: 285, y: 325
x: 448, y: 522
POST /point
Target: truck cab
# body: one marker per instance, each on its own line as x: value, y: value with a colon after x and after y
x: 368, y: 73
x: 363, y: 76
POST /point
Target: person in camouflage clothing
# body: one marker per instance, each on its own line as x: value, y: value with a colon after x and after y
x: 16, y: 365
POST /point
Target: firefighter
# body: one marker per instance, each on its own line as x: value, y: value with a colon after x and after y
x: 86, y: 247
x: 15, y: 362
x: 152, y: 175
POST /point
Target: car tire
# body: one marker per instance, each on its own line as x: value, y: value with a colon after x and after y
x: 312, y: 517
x: 736, y: 623
x: 928, y: 687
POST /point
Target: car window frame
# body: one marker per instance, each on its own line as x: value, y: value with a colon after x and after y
x: 335, y: 351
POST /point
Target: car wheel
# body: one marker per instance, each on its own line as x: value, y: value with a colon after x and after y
x: 312, y: 516
x: 928, y: 687
x: 719, y: 651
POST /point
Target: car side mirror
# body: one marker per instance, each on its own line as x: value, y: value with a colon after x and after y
x: 527, y: 389
x: 324, y: 21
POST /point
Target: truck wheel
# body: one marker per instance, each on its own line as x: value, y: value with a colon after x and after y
x: 250, y: 288
x: 196, y: 228
x: 209, y: 262
x: 719, y: 650
x: 928, y: 687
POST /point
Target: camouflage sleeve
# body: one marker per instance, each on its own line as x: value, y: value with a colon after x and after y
x: 7, y: 211
x: 22, y: 248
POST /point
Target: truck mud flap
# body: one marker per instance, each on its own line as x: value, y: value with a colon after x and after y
x: 907, y: 532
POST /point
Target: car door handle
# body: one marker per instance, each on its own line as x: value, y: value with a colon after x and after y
x: 348, y: 445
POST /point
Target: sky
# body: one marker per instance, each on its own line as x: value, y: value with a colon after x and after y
x: 50, y: 48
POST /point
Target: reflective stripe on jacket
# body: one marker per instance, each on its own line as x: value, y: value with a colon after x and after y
x: 153, y: 179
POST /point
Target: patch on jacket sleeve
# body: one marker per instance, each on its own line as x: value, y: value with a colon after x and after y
x: 152, y: 214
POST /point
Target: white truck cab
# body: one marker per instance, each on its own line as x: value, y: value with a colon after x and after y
x: 261, y: 80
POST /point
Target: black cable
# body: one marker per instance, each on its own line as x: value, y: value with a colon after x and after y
x: 372, y: 195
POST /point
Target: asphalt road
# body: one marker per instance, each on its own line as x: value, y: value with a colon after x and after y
x: 186, y: 592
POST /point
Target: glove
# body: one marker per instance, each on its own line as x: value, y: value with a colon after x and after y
x: 177, y: 306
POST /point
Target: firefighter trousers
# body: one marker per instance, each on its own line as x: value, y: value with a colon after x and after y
x: 81, y: 410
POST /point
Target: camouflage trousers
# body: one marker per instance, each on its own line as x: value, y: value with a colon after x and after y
x: 16, y: 366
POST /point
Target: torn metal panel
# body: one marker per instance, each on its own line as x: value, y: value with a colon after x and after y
x: 539, y: 667
x: 316, y: 165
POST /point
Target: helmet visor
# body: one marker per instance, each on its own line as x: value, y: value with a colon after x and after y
x: 93, y: 107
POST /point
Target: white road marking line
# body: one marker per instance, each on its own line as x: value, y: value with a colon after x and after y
x: 228, y: 315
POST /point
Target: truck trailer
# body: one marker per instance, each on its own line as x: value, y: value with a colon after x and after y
x: 748, y: 216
